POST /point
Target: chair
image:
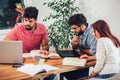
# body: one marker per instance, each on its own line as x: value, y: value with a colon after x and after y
x: 116, y: 77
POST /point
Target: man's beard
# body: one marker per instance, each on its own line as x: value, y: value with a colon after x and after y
x: 27, y: 27
x: 80, y: 33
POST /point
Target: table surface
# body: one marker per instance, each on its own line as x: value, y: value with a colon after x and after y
x: 8, y: 72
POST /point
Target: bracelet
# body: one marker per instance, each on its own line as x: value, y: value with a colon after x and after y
x: 78, y: 50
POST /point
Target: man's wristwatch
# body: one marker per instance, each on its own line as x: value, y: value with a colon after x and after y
x: 78, y: 51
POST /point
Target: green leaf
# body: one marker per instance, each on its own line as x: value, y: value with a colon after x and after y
x: 59, y: 29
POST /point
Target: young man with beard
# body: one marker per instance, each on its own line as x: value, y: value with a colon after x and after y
x: 31, y: 33
x: 83, y: 42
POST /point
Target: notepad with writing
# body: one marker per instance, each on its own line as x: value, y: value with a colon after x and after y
x: 32, y: 69
x: 74, y: 61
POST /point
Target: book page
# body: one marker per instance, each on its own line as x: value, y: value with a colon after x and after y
x: 34, y: 53
x: 32, y: 69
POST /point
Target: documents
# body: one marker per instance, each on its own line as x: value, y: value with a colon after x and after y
x: 74, y: 61
x: 32, y: 69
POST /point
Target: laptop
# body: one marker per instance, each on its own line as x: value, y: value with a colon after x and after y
x: 67, y: 53
x: 11, y: 52
x: 64, y: 53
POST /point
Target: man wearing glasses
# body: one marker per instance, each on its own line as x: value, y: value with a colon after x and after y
x: 83, y: 42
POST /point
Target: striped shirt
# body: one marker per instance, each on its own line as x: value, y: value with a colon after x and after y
x: 88, y: 40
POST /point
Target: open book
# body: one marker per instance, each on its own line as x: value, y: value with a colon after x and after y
x: 34, y: 53
x: 74, y: 61
x: 32, y: 69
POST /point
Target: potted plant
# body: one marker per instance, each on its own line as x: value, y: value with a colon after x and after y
x: 59, y: 30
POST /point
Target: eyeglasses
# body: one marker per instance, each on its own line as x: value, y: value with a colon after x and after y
x: 75, y: 28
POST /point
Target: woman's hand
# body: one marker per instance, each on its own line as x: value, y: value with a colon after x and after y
x: 85, y: 56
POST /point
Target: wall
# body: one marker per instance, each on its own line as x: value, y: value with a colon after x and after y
x: 43, y: 10
x: 108, y: 10
x: 3, y: 33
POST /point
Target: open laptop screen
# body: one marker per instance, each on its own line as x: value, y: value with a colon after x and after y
x: 64, y: 53
x: 67, y: 53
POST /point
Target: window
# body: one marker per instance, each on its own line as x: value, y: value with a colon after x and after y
x: 8, y: 13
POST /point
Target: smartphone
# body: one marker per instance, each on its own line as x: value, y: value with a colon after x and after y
x: 17, y: 64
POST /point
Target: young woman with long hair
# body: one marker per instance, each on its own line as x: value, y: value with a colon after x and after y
x: 108, y: 51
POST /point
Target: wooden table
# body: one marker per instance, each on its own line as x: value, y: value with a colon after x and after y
x: 7, y: 72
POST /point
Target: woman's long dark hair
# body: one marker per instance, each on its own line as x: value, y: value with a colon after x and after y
x: 103, y: 28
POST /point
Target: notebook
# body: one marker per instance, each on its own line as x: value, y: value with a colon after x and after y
x: 74, y: 61
x: 11, y: 52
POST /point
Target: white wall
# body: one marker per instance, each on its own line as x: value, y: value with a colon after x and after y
x: 43, y: 10
x: 3, y: 33
x: 109, y: 10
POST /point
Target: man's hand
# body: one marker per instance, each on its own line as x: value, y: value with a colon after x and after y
x: 75, y: 39
x: 75, y: 42
x: 44, y: 52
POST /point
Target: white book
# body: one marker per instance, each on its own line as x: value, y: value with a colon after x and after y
x: 34, y: 53
x: 32, y: 69
x: 74, y: 61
